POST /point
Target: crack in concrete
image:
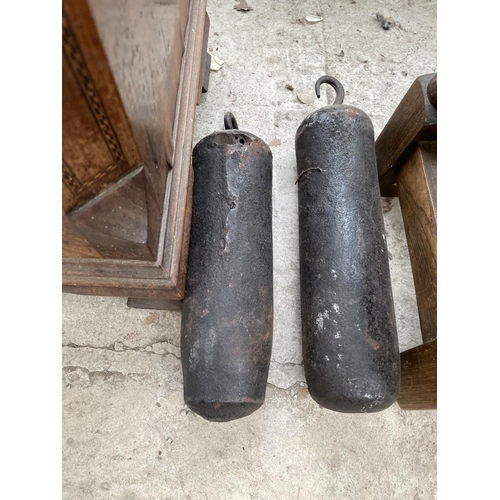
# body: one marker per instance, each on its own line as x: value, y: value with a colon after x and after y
x: 276, y: 387
x: 287, y: 389
x: 116, y: 375
x: 102, y: 374
x: 112, y: 348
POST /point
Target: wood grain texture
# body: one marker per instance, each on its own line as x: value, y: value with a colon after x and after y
x: 419, y: 378
x: 115, y: 222
x: 417, y: 188
x: 415, y: 119
x: 74, y: 244
x: 97, y: 143
x: 144, y: 42
x: 163, y: 278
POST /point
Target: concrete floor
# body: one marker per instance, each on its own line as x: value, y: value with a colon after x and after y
x: 126, y: 431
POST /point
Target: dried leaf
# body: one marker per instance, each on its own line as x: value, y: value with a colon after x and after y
x: 313, y: 19
x: 275, y: 142
x: 215, y: 63
x: 243, y: 6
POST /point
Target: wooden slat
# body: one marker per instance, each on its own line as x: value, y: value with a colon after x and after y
x: 419, y: 378
x: 205, y: 73
x: 417, y: 190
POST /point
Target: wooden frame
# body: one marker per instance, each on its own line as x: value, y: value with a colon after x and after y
x: 407, y: 166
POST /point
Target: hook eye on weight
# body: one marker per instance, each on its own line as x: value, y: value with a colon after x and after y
x: 230, y: 122
x: 339, y: 89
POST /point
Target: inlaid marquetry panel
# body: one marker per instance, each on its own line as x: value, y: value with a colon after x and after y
x: 97, y: 143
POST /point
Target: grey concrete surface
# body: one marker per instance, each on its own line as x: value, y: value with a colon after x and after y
x: 126, y: 431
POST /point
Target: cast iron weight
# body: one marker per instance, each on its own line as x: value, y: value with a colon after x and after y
x: 349, y: 337
x: 227, y: 319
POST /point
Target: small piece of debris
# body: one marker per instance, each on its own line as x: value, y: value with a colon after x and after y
x: 275, y: 142
x: 288, y: 86
x: 313, y: 19
x: 119, y: 346
x: 389, y: 255
x: 215, y: 63
x: 216, y: 34
x: 242, y: 6
x: 306, y: 97
x: 404, y: 73
x: 362, y: 59
x: 383, y: 21
x: 159, y: 452
x: 341, y: 53
x: 170, y: 440
x: 131, y: 336
x: 158, y: 404
x: 386, y: 205
x: 152, y: 318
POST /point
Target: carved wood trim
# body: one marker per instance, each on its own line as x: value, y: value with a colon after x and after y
x: 76, y: 60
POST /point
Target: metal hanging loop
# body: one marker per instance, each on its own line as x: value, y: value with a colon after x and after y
x: 230, y: 122
x: 339, y: 89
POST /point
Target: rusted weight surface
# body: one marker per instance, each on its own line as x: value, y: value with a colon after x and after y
x: 350, y: 345
x: 227, y: 316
